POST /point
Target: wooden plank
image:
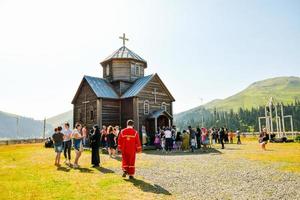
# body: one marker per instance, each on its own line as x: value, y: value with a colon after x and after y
x: 99, y: 112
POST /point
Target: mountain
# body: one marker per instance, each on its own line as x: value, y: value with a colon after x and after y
x: 282, y: 89
x: 14, y: 126
x: 61, y: 118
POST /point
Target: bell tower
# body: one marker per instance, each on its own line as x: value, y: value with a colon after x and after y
x: 123, y: 67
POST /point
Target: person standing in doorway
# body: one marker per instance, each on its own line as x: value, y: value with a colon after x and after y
x: 67, y: 143
x: 129, y: 143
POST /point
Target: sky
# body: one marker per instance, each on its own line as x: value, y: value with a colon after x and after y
x: 202, y: 50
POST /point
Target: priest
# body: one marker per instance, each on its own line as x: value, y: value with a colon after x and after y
x: 129, y: 144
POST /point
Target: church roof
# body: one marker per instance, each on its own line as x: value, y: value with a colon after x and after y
x: 158, y: 113
x: 124, y: 53
x: 138, y: 85
x: 101, y: 87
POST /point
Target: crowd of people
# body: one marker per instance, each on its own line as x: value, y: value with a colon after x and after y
x: 168, y: 139
x: 127, y: 141
x: 111, y: 139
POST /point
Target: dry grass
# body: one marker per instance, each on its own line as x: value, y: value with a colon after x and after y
x: 27, y: 172
x: 284, y: 156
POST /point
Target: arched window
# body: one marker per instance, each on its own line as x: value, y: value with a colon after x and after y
x: 146, y: 107
x: 164, y: 106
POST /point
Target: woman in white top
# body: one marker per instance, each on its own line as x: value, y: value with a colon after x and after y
x: 77, y: 138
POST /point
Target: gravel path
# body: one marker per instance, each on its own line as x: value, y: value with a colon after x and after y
x: 213, y: 176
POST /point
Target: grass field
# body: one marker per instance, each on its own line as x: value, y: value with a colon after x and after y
x: 28, y: 172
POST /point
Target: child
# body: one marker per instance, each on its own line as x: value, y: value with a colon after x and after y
x: 157, y: 141
x: 193, y: 144
x: 58, y: 138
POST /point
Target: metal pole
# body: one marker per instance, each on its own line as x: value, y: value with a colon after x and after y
x: 267, y: 120
x: 279, y: 123
x: 282, y: 118
x: 276, y: 116
x: 259, y: 125
x: 292, y: 127
x: 271, y: 118
x: 44, y: 131
x: 17, y: 126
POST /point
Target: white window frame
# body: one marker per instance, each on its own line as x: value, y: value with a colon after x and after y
x: 146, y: 107
x: 107, y: 70
x: 164, y: 106
x: 137, y: 71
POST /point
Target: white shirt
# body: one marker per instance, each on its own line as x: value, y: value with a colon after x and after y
x: 68, y: 134
x: 168, y: 134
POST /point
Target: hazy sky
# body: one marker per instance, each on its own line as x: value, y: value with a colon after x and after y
x: 201, y: 49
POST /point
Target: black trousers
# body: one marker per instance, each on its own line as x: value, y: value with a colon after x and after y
x: 67, y: 149
x: 222, y: 142
x: 169, y: 144
x: 95, y: 156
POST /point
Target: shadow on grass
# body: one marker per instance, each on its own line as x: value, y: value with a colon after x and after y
x: 147, y: 187
x: 229, y: 148
x: 64, y: 169
x: 84, y: 170
x: 104, y: 170
x: 180, y: 153
x: 118, y: 158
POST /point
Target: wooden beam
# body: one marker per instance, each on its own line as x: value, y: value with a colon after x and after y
x: 136, y: 113
x: 99, y: 112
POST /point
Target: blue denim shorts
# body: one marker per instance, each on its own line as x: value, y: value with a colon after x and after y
x: 58, y: 148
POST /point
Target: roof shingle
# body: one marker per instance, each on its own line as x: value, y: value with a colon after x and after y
x: 138, y: 85
x: 122, y: 53
x: 101, y: 87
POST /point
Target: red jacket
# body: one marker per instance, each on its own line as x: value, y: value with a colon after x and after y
x: 129, y: 141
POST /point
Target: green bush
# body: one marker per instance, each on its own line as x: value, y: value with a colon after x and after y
x: 297, y: 139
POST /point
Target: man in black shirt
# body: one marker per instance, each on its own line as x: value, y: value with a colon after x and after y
x: 58, y: 138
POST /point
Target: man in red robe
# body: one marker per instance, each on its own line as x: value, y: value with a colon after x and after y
x: 129, y: 143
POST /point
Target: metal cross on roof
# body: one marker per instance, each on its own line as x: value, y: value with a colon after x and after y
x: 124, y: 39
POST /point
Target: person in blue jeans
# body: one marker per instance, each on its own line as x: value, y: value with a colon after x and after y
x: 58, y: 138
x: 67, y: 143
x: 77, y: 141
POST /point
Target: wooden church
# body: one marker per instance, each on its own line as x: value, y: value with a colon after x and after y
x: 124, y: 92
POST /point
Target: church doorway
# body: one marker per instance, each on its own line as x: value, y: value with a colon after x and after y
x: 163, y: 121
x: 155, y: 121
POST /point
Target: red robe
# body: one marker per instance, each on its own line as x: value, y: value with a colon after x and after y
x: 129, y: 143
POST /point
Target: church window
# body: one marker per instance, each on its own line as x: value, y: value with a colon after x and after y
x: 132, y: 69
x: 92, y: 115
x: 137, y: 70
x: 107, y: 70
x: 146, y: 107
x: 164, y: 106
